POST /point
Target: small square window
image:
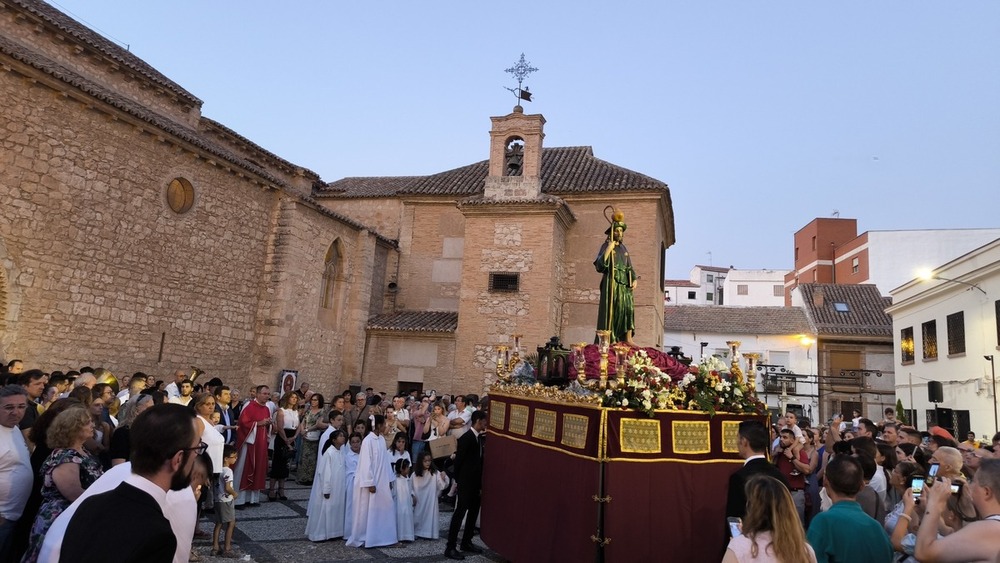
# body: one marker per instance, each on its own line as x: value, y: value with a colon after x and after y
x: 709, y: 278
x: 841, y: 307
x: 504, y: 281
x: 854, y: 265
x: 779, y: 290
x: 710, y: 297
x: 692, y: 295
x: 742, y: 289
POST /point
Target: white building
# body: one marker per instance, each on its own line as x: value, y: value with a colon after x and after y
x: 754, y: 288
x: 944, y: 329
x: 782, y: 336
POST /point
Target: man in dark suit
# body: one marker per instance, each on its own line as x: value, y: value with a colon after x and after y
x: 469, y: 474
x: 227, y: 417
x: 164, y: 445
x: 752, y: 442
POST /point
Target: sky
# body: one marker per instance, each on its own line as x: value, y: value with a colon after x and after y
x: 760, y: 116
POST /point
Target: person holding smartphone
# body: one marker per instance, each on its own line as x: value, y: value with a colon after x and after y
x: 975, y: 541
x: 771, y: 530
x: 793, y: 463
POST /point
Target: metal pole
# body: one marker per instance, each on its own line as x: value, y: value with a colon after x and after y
x: 993, y: 375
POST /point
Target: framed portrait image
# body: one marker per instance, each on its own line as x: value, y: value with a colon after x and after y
x: 286, y: 381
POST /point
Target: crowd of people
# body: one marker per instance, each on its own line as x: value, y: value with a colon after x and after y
x: 861, y: 491
x: 375, y: 479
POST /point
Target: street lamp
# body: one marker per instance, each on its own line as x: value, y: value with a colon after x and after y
x: 927, y: 275
x: 993, y: 375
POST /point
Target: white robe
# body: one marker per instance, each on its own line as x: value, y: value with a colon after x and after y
x: 373, y: 523
x: 350, y: 469
x: 326, y: 515
x: 317, y: 485
x: 427, y: 488
x: 402, y: 493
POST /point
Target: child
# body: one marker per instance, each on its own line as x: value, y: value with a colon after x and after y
x: 351, y: 468
x: 402, y: 492
x: 217, y: 423
x: 327, y: 506
x: 428, y: 483
x: 224, y: 510
x: 398, y: 449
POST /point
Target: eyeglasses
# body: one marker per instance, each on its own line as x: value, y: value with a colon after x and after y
x: 198, y: 450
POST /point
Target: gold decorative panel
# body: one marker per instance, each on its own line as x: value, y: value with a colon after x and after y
x: 518, y: 419
x: 498, y: 414
x: 574, y: 432
x: 730, y: 436
x: 544, y: 427
x: 691, y: 437
x: 640, y: 436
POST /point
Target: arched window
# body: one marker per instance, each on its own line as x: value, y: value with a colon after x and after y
x: 331, y: 271
x: 514, y: 157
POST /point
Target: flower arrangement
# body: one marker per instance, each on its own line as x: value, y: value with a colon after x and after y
x: 710, y: 387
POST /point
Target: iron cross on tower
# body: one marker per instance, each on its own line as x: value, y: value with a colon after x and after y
x: 520, y: 71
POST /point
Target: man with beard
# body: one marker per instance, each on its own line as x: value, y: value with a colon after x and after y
x: 164, y: 445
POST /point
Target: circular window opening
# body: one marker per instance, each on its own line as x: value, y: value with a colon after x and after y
x: 180, y: 195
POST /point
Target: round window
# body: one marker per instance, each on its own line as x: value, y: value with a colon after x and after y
x: 180, y: 195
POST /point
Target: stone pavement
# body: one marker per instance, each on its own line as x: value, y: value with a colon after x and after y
x: 274, y: 532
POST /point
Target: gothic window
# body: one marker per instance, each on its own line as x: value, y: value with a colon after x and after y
x: 331, y: 271
x: 513, y: 157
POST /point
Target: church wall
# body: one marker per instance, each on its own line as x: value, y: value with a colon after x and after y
x: 107, y: 273
x: 297, y: 331
x: 381, y: 214
x: 432, y: 247
x: 423, y: 359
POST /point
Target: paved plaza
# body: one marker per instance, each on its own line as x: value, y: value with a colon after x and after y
x: 275, y: 532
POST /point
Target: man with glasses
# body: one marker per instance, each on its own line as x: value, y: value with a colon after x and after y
x: 976, y: 541
x: 164, y: 446
x: 972, y: 458
x: 16, y: 477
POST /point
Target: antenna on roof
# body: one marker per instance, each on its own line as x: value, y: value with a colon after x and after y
x: 520, y: 71
x: 836, y: 214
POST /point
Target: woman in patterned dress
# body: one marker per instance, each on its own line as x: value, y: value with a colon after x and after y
x: 67, y: 472
x: 313, y: 426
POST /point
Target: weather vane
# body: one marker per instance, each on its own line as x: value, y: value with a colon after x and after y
x: 520, y: 71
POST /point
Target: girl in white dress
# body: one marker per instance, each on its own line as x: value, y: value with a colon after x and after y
x: 351, y: 468
x: 402, y: 493
x: 327, y: 509
x: 398, y: 449
x: 428, y: 483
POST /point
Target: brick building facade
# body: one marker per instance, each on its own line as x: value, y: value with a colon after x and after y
x: 141, y: 236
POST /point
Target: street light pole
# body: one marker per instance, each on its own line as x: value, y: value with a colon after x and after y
x: 993, y: 376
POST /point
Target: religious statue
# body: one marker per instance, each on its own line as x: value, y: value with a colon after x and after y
x: 617, y: 309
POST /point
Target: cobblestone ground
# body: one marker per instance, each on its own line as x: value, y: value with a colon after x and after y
x: 274, y: 532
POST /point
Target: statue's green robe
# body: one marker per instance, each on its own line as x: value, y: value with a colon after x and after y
x: 617, y: 309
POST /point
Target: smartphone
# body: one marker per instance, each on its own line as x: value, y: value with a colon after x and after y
x: 917, y: 484
x: 734, y: 526
x: 932, y: 472
x: 956, y: 487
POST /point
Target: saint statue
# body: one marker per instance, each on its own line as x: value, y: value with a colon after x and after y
x: 617, y: 309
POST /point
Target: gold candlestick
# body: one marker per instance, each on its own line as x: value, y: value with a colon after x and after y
x: 580, y: 362
x: 751, y: 375
x: 603, y: 343
x: 621, y: 353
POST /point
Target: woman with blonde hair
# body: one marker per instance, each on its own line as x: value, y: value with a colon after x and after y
x: 771, y: 531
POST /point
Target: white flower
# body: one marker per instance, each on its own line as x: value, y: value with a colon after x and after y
x: 647, y: 394
x: 719, y: 387
x: 647, y: 405
x: 608, y: 392
x: 738, y: 392
x: 624, y: 402
x: 722, y: 400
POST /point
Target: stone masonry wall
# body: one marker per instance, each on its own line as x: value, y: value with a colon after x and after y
x: 106, y: 271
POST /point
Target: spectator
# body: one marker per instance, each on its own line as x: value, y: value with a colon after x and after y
x: 890, y: 435
x: 845, y: 532
x: 977, y: 541
x: 186, y: 390
x: 67, y: 472
x: 33, y: 381
x: 173, y: 389
x: 866, y: 429
x: 313, y: 426
x: 793, y: 463
x: 751, y: 442
x: 286, y: 429
x: 972, y: 458
x: 121, y: 438
x: 15, y: 465
x: 771, y: 530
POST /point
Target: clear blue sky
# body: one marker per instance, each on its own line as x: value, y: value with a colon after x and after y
x: 759, y: 115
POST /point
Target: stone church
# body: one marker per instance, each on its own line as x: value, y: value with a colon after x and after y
x: 139, y: 235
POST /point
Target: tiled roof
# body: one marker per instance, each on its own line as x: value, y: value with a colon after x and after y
x: 736, y: 320
x: 85, y: 35
x: 865, y: 315
x: 210, y: 124
x: 415, y: 321
x: 712, y: 268
x: 565, y: 170
x: 680, y: 283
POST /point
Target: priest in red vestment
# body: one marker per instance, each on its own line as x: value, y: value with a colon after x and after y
x: 253, y: 428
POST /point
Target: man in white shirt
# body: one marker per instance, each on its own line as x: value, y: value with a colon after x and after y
x: 15, y: 464
x: 187, y: 387
x: 135, y: 386
x: 174, y: 389
x: 460, y: 417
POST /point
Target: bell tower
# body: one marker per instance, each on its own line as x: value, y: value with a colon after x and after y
x: 515, y: 156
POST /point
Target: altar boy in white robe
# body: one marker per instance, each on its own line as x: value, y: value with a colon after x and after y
x: 326, y: 509
x: 374, y: 519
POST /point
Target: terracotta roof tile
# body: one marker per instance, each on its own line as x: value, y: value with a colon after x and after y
x: 680, y: 283
x: 865, y: 314
x: 565, y: 170
x: 736, y: 320
x: 415, y: 321
x: 108, y: 48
